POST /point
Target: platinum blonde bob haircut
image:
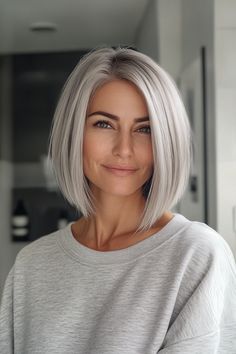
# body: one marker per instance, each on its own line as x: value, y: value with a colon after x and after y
x: 170, y: 129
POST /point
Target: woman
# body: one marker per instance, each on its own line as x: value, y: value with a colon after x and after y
x: 129, y: 276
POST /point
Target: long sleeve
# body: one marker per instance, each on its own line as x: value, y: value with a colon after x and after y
x: 207, y: 321
x: 6, y: 317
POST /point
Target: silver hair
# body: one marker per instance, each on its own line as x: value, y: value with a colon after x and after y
x: 170, y: 129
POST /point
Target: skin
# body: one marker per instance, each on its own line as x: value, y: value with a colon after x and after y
x: 120, y: 141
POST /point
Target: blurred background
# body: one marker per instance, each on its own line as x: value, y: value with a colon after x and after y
x: 40, y: 44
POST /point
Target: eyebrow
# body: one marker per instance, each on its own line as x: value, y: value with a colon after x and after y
x: 112, y: 116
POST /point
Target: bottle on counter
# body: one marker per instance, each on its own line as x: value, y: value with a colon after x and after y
x: 62, y: 219
x: 20, y: 222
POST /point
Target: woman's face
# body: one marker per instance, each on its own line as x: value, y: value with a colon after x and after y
x: 117, y: 148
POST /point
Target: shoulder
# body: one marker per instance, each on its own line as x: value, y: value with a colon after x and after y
x: 39, y: 251
x: 206, y: 296
x: 201, y: 238
x: 198, y: 249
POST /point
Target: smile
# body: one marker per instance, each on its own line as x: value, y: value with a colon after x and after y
x: 120, y: 172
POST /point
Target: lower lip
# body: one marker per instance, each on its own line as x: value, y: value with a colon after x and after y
x: 121, y: 173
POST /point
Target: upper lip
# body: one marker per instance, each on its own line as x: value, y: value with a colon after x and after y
x: 120, y: 167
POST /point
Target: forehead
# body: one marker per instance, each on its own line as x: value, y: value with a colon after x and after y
x: 119, y: 97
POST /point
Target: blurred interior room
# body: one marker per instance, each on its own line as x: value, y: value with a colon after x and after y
x: 40, y: 44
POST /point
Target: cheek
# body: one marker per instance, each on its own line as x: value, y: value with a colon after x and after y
x: 146, y: 154
x: 93, y: 147
x: 150, y: 153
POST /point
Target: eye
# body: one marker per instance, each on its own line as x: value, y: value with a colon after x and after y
x: 146, y: 129
x: 102, y: 124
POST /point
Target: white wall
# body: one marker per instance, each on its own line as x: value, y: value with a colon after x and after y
x: 170, y: 35
x: 225, y: 69
x: 198, y: 31
x: 147, y: 35
x: 160, y: 34
x: 185, y: 26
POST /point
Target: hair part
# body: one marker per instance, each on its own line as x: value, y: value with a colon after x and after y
x: 170, y: 129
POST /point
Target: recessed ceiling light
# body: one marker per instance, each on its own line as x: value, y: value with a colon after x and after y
x: 43, y: 27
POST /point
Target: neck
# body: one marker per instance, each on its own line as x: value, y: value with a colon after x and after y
x: 110, y: 228
x: 110, y: 220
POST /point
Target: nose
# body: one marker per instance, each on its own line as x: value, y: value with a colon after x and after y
x: 123, y: 145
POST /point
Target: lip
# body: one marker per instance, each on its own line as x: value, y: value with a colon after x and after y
x: 121, y: 168
x: 121, y: 172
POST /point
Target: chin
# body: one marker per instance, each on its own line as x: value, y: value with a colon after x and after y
x: 117, y: 188
x: 122, y: 192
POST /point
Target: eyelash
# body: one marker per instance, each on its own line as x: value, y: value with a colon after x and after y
x: 107, y: 123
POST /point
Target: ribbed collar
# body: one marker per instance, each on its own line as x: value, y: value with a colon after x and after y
x: 91, y: 257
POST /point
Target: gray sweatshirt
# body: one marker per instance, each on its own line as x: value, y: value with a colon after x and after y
x: 174, y: 292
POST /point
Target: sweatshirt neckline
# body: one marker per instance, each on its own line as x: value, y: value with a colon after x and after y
x: 89, y: 256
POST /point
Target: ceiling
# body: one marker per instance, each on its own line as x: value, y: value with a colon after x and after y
x: 80, y: 24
